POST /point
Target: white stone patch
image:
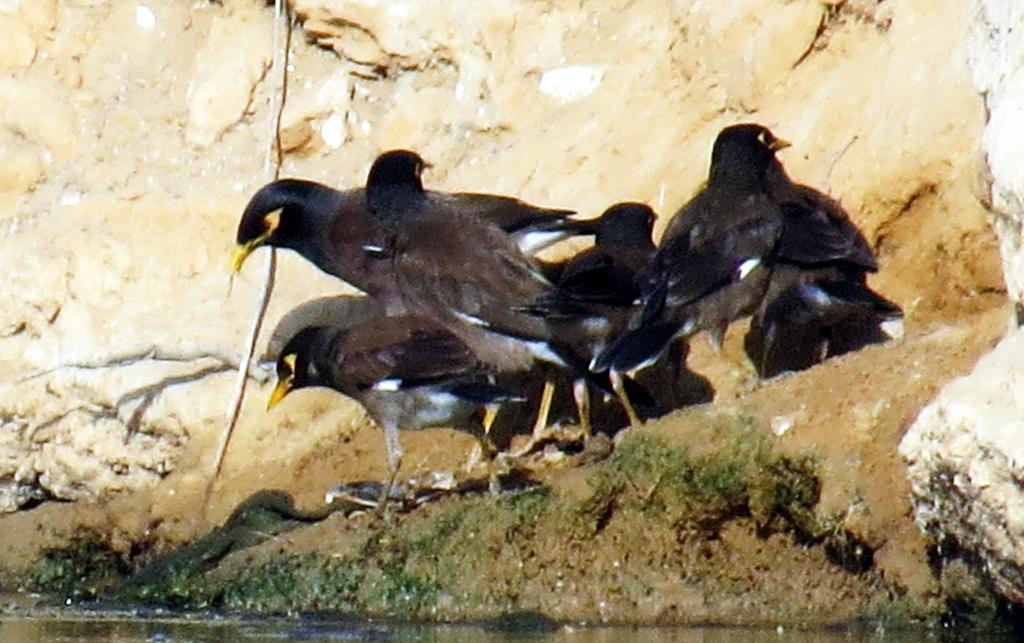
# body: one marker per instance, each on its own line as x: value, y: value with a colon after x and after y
x: 333, y: 131
x: 570, y: 84
x: 70, y: 198
x: 781, y: 424
x: 893, y: 328
x: 144, y: 17
x: 334, y: 93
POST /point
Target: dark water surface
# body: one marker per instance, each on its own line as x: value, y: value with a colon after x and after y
x: 155, y: 629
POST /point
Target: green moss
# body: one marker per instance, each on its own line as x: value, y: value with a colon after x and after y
x: 84, y: 568
x: 403, y: 571
x: 647, y: 474
x: 484, y: 556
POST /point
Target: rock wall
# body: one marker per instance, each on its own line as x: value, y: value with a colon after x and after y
x: 964, y: 450
x: 133, y: 132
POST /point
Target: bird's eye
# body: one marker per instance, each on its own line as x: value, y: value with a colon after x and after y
x: 765, y: 138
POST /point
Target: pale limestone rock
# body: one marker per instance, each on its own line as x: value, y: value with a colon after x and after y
x: 966, y: 449
x: 965, y: 454
x: 570, y: 84
x: 38, y: 111
x: 997, y: 61
x: 227, y: 68
x: 40, y: 15
x: 316, y: 107
x: 21, y: 163
x: 19, y: 48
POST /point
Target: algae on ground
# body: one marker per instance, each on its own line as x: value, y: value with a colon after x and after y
x: 83, y: 569
x: 531, y: 550
x: 481, y: 556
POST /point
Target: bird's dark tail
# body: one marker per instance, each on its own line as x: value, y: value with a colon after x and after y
x: 636, y: 347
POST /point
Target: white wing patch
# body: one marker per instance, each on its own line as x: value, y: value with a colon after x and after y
x: 389, y: 385
x: 747, y: 267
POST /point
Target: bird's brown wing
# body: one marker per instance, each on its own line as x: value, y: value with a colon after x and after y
x: 357, y: 249
x: 816, y: 227
x: 404, y: 353
x: 812, y: 234
x: 449, y: 263
x: 508, y: 213
x: 725, y: 235
x: 594, y: 276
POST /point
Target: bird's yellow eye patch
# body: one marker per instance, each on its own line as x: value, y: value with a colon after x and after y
x: 285, y: 382
x: 774, y: 144
x: 289, y: 361
x: 271, y: 221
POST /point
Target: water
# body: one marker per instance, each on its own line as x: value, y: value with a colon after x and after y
x: 159, y: 629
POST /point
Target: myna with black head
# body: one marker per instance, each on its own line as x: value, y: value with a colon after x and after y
x: 420, y: 252
x: 338, y: 230
x: 714, y: 260
x: 601, y: 284
x: 407, y: 372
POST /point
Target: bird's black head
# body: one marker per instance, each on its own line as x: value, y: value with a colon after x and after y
x: 397, y: 168
x: 297, y: 364
x: 394, y: 182
x: 290, y: 213
x: 625, y: 223
x: 743, y: 153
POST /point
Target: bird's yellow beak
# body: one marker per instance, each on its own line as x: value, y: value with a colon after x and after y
x: 779, y: 144
x: 243, y: 250
x: 271, y: 221
x: 283, y: 388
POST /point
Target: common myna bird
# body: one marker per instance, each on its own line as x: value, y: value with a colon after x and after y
x: 603, y: 285
x: 337, y: 231
x: 408, y: 372
x: 812, y: 320
x: 715, y: 257
x: 818, y: 303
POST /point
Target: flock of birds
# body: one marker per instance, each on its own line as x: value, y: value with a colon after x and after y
x: 469, y: 316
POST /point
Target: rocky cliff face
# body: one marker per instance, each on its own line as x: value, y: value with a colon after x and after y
x: 133, y: 132
x: 964, y: 450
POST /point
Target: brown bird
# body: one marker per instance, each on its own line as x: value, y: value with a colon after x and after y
x: 817, y: 303
x: 420, y: 252
x: 407, y: 372
x: 714, y: 260
x: 602, y: 284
